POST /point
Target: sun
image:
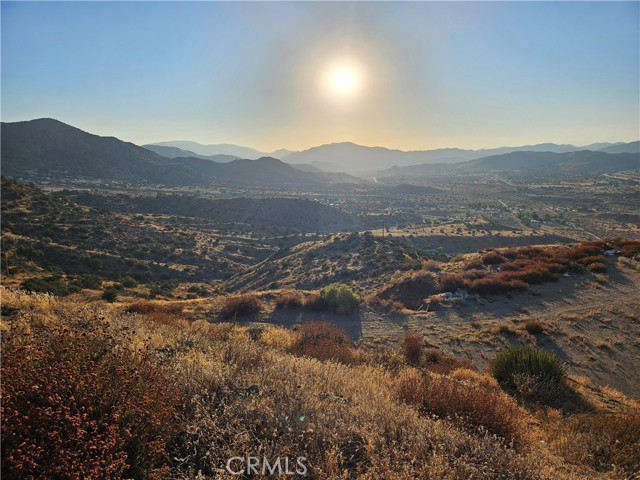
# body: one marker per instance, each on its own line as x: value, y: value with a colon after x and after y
x: 343, y: 80
x: 343, y: 83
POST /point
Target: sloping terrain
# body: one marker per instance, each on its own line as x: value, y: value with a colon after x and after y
x: 547, y: 163
x: 50, y: 147
x: 265, y: 170
x: 364, y: 260
x: 175, y: 152
x: 57, y: 234
x: 284, y: 215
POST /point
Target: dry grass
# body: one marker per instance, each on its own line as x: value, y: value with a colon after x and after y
x: 466, y: 402
x: 179, y: 400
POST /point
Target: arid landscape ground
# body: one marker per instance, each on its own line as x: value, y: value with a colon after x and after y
x: 346, y: 240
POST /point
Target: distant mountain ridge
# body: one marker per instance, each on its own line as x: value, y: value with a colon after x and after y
x: 579, y: 162
x: 362, y: 160
x: 50, y: 148
x: 264, y: 170
x: 175, y: 152
x: 221, y: 149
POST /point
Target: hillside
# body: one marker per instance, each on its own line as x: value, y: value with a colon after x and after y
x: 228, y: 149
x: 175, y: 152
x: 631, y: 147
x: 176, y: 405
x: 548, y: 163
x: 283, y: 215
x: 50, y: 147
x: 265, y: 170
x: 364, y: 260
x: 48, y: 233
x: 360, y: 159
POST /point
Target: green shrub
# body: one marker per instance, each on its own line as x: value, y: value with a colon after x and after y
x: 340, y: 298
x: 55, y: 284
x: 129, y: 282
x: 517, y: 362
x: 87, y: 280
x: 110, y: 295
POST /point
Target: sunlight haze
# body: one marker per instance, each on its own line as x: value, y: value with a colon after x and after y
x: 295, y: 75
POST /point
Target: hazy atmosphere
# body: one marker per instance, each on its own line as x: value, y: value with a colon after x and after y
x: 414, y: 75
x: 320, y: 240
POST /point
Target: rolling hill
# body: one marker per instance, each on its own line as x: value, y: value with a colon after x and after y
x: 283, y: 215
x: 265, y: 170
x: 50, y: 147
x: 580, y: 162
x: 631, y: 147
x: 369, y: 260
x: 175, y: 152
x: 222, y: 149
x: 358, y: 159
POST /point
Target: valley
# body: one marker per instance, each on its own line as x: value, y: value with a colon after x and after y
x: 264, y: 259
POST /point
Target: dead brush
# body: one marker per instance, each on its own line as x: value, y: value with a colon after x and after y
x: 112, y: 415
x: 240, y: 306
x: 468, y: 404
x: 289, y: 300
x: 412, y: 345
x: 324, y: 341
x: 598, y: 440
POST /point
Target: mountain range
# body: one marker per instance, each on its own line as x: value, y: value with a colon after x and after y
x: 545, y: 163
x: 48, y: 147
x: 360, y: 160
x: 366, y: 161
x: 220, y: 149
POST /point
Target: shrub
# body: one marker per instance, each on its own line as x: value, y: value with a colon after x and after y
x: 240, y: 305
x: 597, y: 267
x: 110, y: 295
x: 54, y: 285
x: 412, y: 348
x: 465, y: 402
x: 534, y: 327
x: 289, y: 300
x: 89, y: 281
x: 315, y: 303
x: 435, y: 360
x: 324, y: 341
x: 129, y: 282
x: 600, y: 440
x: 524, y: 361
x: 75, y: 408
x: 145, y: 308
x: 340, y: 298
x: 279, y: 338
x: 493, y: 258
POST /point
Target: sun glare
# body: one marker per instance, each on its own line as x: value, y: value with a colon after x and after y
x: 343, y: 80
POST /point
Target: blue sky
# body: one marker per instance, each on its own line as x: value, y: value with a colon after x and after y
x: 471, y: 75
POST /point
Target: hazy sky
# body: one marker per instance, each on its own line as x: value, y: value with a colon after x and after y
x: 421, y: 75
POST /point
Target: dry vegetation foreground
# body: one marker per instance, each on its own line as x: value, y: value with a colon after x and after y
x: 107, y: 391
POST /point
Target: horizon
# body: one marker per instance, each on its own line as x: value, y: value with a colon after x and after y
x: 406, y: 76
x: 166, y: 142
